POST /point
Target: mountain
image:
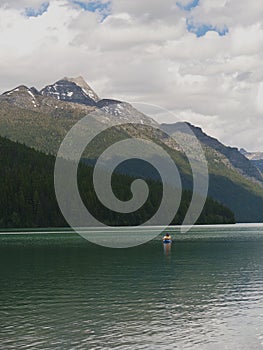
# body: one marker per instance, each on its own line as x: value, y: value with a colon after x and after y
x: 233, y: 179
x: 256, y: 158
x: 124, y: 111
x: 41, y: 119
x: 80, y: 82
x: 69, y: 90
x: 258, y: 163
x: 72, y: 94
x: 28, y: 196
x: 231, y: 156
x: 22, y: 97
x: 252, y: 155
x: 76, y: 90
x: 31, y: 99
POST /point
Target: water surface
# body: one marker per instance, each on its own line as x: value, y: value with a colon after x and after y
x: 58, y: 291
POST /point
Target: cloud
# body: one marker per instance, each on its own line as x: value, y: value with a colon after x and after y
x: 103, y: 7
x: 145, y: 51
x: 21, y: 4
x: 32, y: 12
x: 202, y: 29
x: 187, y: 5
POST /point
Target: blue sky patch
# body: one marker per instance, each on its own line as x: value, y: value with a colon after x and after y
x: 201, y: 29
x: 95, y: 6
x: 189, y: 6
x: 31, y: 12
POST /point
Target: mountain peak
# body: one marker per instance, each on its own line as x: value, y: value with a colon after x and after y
x: 21, y: 96
x: 71, y: 90
x: 81, y: 82
x: 20, y: 88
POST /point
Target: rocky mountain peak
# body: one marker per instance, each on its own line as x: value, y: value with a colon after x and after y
x: 67, y: 90
x: 79, y: 95
x: 84, y: 86
x: 21, y: 96
x: 18, y: 90
x: 76, y: 90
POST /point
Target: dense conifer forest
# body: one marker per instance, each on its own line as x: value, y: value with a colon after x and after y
x: 28, y: 198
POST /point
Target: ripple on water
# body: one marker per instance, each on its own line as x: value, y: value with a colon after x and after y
x: 206, y: 294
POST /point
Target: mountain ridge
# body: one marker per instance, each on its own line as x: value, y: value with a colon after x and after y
x: 77, y: 94
x: 234, y: 156
x: 252, y: 155
x: 42, y: 120
x: 256, y: 158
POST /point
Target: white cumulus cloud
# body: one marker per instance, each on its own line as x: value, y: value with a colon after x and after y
x: 144, y: 52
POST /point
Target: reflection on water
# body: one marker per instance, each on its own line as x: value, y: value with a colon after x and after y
x: 205, y: 291
x: 167, y: 248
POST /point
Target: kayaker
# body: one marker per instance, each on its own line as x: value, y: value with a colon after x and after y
x: 167, y: 238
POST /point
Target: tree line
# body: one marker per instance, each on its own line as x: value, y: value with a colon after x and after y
x: 27, y: 195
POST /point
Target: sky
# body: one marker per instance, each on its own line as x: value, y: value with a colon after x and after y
x: 202, y: 60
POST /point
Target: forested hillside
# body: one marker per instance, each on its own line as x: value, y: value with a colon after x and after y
x: 28, y: 198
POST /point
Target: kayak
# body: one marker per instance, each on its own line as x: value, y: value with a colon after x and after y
x: 166, y: 241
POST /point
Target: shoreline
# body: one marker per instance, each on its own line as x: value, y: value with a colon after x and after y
x: 53, y: 230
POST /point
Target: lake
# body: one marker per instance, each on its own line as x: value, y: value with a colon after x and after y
x: 59, y: 291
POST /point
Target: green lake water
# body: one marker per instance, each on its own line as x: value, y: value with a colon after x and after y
x: 58, y: 291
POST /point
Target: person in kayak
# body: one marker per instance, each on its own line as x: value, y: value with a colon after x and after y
x: 167, y: 238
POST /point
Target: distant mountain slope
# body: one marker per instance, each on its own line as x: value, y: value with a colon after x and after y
x: 258, y: 163
x: 252, y: 155
x: 256, y: 158
x: 42, y: 119
x: 233, y: 180
x: 232, y: 155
